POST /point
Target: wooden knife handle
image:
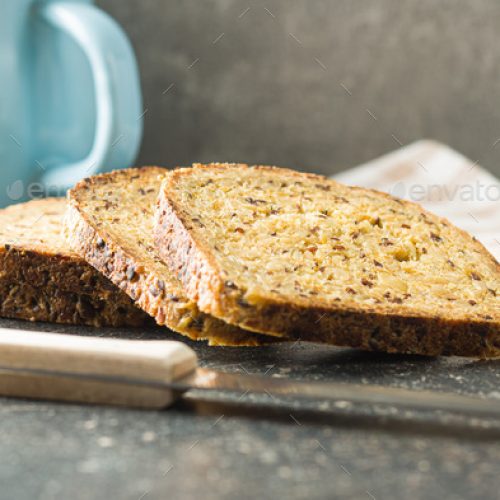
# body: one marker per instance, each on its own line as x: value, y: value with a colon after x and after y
x: 155, y: 360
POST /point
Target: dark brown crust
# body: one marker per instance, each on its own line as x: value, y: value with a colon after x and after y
x: 23, y: 301
x: 44, y: 269
x: 146, y: 289
x: 375, y: 329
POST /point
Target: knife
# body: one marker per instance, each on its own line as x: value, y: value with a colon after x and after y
x: 153, y: 374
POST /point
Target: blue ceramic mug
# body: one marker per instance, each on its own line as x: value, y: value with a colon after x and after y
x: 70, y: 101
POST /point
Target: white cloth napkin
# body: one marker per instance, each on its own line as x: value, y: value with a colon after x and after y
x: 443, y: 181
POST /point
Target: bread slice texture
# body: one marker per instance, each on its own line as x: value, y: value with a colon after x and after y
x: 109, y: 222
x: 277, y: 251
x: 41, y: 279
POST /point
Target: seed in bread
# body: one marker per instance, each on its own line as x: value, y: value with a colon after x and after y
x: 277, y: 251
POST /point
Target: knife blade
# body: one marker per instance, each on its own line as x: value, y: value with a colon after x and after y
x: 153, y: 374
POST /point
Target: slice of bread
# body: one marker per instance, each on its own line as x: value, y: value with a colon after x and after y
x: 109, y: 222
x: 41, y: 279
x: 282, y: 252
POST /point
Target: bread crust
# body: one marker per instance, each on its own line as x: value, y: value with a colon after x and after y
x: 66, y: 272
x: 181, y: 245
x: 21, y: 300
x: 148, y: 290
x: 42, y: 280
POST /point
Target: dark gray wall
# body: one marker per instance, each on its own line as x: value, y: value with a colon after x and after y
x: 315, y: 84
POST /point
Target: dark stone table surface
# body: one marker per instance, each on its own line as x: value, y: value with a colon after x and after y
x: 225, y: 448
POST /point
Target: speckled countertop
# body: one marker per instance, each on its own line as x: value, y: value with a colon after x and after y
x: 227, y: 450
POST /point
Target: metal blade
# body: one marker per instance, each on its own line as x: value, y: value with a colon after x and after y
x: 206, y: 379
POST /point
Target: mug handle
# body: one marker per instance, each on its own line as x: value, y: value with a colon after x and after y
x: 118, y: 129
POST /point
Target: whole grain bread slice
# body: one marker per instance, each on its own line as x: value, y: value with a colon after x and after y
x: 282, y: 252
x: 109, y: 222
x: 41, y: 279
